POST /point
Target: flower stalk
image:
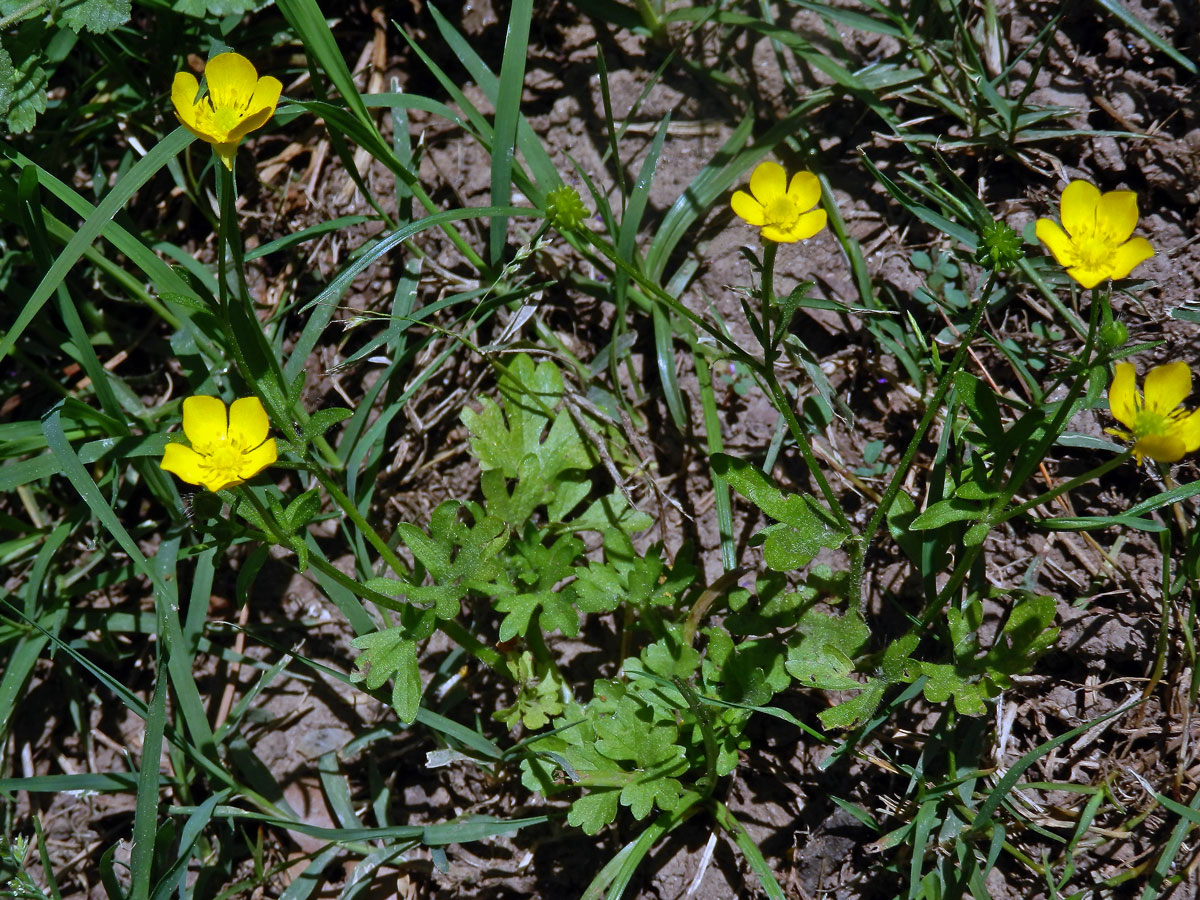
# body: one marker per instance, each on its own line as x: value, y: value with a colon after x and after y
x: 347, y: 506
x: 1066, y: 487
x: 914, y: 444
x: 1031, y: 460
x: 780, y: 398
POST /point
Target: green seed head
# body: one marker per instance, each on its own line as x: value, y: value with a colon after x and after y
x: 999, y: 246
x: 564, y: 209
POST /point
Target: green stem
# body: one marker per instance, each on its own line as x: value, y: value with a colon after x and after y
x: 655, y: 291
x: 347, y: 505
x: 274, y: 533
x: 230, y: 236
x: 19, y: 14
x: 1066, y: 486
x: 703, y: 715
x: 652, y: 19
x: 770, y: 249
x: 781, y: 399
x: 1032, y: 460
x: 784, y: 404
x: 276, y: 536
x: 327, y: 452
x: 450, y: 628
x: 230, y: 251
x: 475, y: 647
x: 325, y: 567
x: 931, y: 410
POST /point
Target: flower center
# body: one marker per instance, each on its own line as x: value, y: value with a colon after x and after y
x: 781, y: 213
x: 1147, y: 422
x: 224, y: 460
x: 1094, y: 251
x: 227, y: 117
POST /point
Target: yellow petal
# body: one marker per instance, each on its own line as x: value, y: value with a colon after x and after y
x: 266, y: 94
x: 258, y: 459
x: 204, y: 421
x: 1078, y: 208
x: 247, y: 125
x: 1160, y: 447
x: 183, y: 97
x: 1056, y: 241
x: 1116, y: 215
x: 1188, y: 431
x: 809, y: 225
x: 248, y: 422
x: 805, y: 191
x: 768, y: 182
x: 184, y: 462
x: 1090, y: 276
x: 261, y: 107
x: 1166, y: 386
x: 231, y: 81
x: 1122, y: 394
x: 1129, y: 255
x: 748, y: 208
x: 218, y: 481
x: 801, y: 230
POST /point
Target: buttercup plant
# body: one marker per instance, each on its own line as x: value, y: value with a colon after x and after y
x: 539, y: 611
x: 227, y: 448
x: 647, y: 741
x: 784, y: 211
x: 1157, y: 424
x: 238, y: 102
x: 1094, y: 242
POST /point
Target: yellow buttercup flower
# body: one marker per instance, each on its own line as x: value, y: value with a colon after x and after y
x: 238, y: 101
x: 1096, y: 244
x: 1159, y: 427
x: 784, y: 212
x: 226, y: 449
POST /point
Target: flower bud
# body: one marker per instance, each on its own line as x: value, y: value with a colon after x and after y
x: 1114, y: 334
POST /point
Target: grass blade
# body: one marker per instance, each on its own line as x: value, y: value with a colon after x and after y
x: 1142, y: 30
x: 750, y: 851
x: 309, y: 23
x: 187, y: 694
x: 712, y: 431
x: 508, y: 113
x: 1189, y: 818
x: 998, y: 793
x: 145, y: 817
x: 113, y: 202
